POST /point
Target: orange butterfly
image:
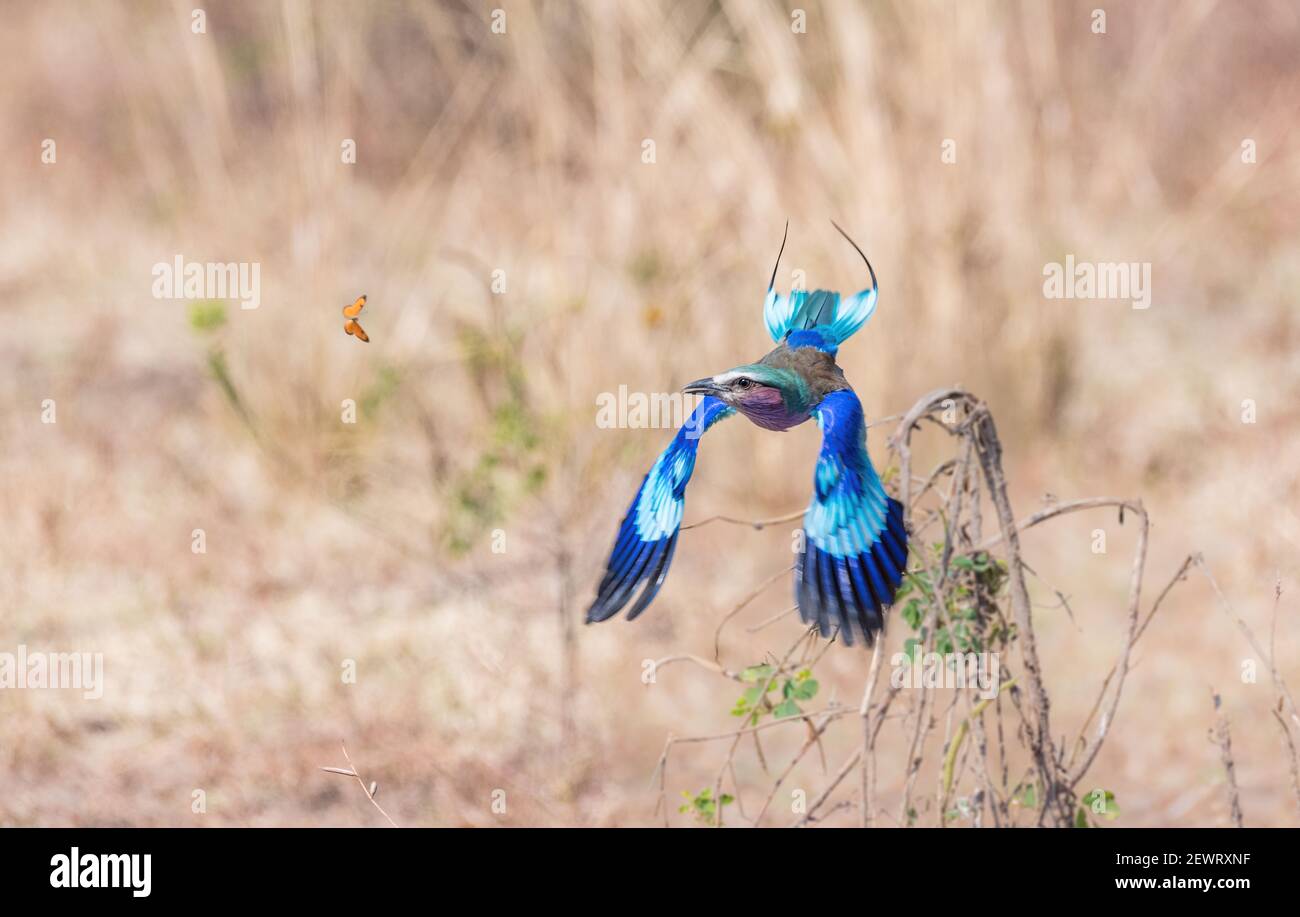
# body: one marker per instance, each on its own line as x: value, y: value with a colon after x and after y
x: 352, y: 326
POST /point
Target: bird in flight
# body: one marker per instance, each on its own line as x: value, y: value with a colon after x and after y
x: 855, y: 544
x: 352, y: 326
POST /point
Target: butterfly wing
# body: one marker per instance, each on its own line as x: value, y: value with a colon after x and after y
x: 352, y: 326
x: 354, y: 310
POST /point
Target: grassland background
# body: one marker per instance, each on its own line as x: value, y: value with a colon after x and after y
x: 523, y: 152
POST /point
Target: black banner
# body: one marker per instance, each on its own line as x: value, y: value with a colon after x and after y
x: 330, y: 866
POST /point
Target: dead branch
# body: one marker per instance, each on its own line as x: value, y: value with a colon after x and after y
x: 1224, y: 740
x: 1224, y: 604
x: 864, y: 711
x: 758, y: 590
x: 1291, y: 757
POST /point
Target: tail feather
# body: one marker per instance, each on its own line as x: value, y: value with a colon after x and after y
x: 834, y: 319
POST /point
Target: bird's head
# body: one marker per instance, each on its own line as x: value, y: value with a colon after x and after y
x: 770, y: 396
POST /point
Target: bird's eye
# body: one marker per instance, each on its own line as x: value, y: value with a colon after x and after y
x: 743, y: 383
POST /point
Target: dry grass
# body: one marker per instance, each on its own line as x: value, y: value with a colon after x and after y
x: 522, y: 152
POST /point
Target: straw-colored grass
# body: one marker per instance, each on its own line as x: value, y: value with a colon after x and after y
x: 523, y: 153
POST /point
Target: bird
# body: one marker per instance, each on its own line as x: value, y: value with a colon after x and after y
x: 855, y: 542
x: 352, y: 326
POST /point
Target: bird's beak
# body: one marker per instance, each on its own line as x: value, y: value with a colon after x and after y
x: 703, y: 387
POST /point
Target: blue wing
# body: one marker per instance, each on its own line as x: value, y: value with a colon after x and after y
x: 647, y: 536
x: 855, y: 549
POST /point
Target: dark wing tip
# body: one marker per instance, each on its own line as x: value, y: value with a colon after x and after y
x: 645, y: 562
x: 842, y: 594
x: 655, y: 578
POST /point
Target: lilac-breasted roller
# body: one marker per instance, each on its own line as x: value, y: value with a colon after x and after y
x: 855, y: 545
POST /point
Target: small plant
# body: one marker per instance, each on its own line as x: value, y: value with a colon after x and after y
x: 703, y: 806
x: 511, y: 467
x: 1026, y: 796
x: 387, y: 382
x: 207, y: 317
x: 755, y: 702
x: 958, y: 600
x: 972, y: 619
x: 1097, y: 802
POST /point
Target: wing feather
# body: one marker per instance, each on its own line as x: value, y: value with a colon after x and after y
x: 855, y: 540
x: 647, y: 537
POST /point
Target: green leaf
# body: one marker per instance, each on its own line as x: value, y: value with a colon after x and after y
x: 747, y: 701
x: 703, y: 806
x: 805, y: 690
x: 786, y: 708
x: 758, y: 673
x: 207, y: 315
x: 1101, y: 802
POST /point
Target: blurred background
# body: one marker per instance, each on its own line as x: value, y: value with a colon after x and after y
x: 521, y: 157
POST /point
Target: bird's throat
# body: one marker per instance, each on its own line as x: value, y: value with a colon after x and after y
x: 771, y: 414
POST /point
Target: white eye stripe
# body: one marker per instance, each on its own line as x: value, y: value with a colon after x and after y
x: 741, y: 379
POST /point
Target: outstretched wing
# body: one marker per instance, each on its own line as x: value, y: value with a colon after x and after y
x: 855, y: 548
x: 647, y: 536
